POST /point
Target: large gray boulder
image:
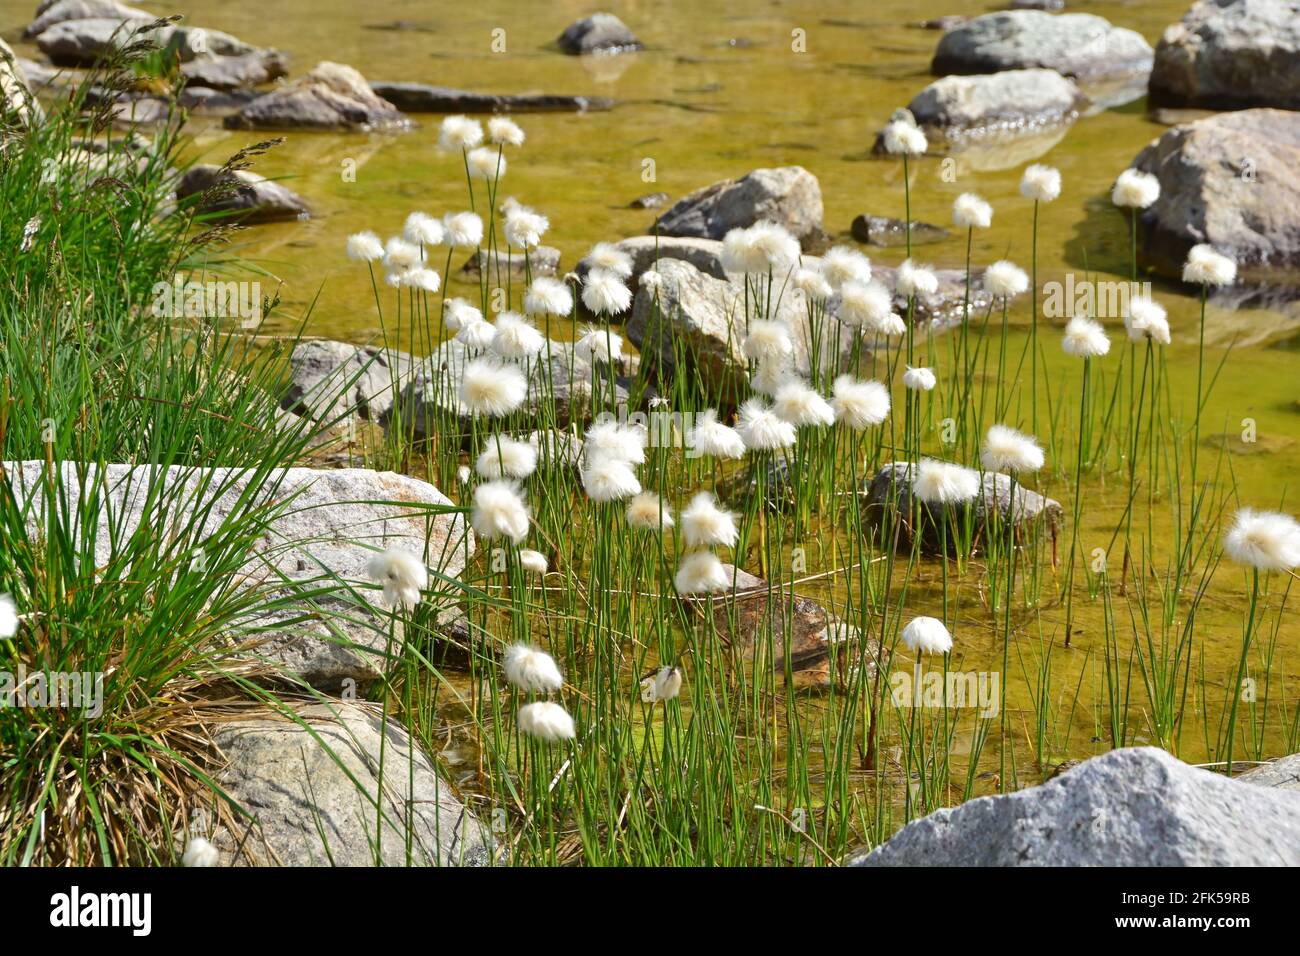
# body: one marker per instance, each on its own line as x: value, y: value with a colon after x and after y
x: 1230, y: 54
x: 64, y: 10
x: 241, y: 194
x: 316, y: 795
x: 789, y: 196
x: 1138, y: 806
x: 331, y: 97
x: 319, y: 621
x: 331, y: 379
x: 16, y: 98
x: 423, y: 98
x: 598, y: 33
x: 1227, y: 180
x: 1077, y: 45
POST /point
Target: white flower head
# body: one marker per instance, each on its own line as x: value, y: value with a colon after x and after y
x: 547, y: 721
x: 1005, y: 279
x: 423, y: 230
x: 464, y: 229
x: 605, y: 478
x: 1135, y: 190
x: 840, y: 264
x: 741, y: 253
x: 666, y: 683
x: 1085, y: 338
x: 402, y: 575
x: 768, y: 341
x: 1265, y: 540
x: 400, y: 255
x: 770, y: 376
x: 799, y: 404
x: 927, y: 635
x: 499, y: 511
x: 477, y: 334
x: 534, y: 562
x: 8, y: 617
x: 524, y: 228
x: 774, y: 243
x: 492, y: 388
x: 864, y: 304
x: 1145, y: 319
x: 609, y: 439
x: 703, y: 523
x: 812, y: 284
x: 505, y: 457
x: 608, y: 256
x: 457, y: 313
x: 547, y: 296
x: 199, y: 852
x: 532, y: 670
x: 649, y: 512
x: 913, y: 280
x: 604, y: 293
x: 365, y: 247
x: 599, y: 345
x: 485, y: 162
x: 1206, y: 267
x: 504, y: 131
x: 516, y: 337
x: 904, y: 139
x: 458, y: 133
x: 708, y: 436
x: 859, y: 405
x: 700, y: 573
x: 762, y: 429
x: 969, y: 211
x: 1006, y: 449
x: 426, y: 280
x: 919, y: 379
x: 944, y: 483
x: 1041, y: 183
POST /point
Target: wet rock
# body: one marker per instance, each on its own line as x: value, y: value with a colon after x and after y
x: 211, y: 102
x: 888, y: 501
x: 1230, y: 55
x: 943, y: 310
x: 959, y: 109
x: 64, y: 10
x: 704, y: 254
x: 330, y: 97
x: 789, y: 196
x: 883, y: 231
x: 1077, y: 45
x: 240, y: 194
x: 945, y: 23
x: 422, y: 98
x: 331, y: 379
x: 314, y: 785
x: 648, y: 201
x: 1049, y: 5
x: 598, y: 33
x: 1281, y: 774
x: 542, y: 261
x: 16, y: 98
x: 1228, y: 180
x: 1138, y: 806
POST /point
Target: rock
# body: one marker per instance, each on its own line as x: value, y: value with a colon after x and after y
x: 892, y: 486
x: 64, y: 10
x: 431, y: 395
x: 945, y: 23
x: 789, y: 196
x: 318, y: 632
x: 313, y: 793
x: 1077, y: 45
x: 704, y: 254
x: 1228, y: 180
x: 883, y: 231
x: 598, y: 33
x: 958, y: 109
x: 16, y: 97
x: 542, y: 261
x: 330, y: 379
x: 241, y: 194
x: 1135, y: 807
x: 1230, y: 56
x: 943, y: 310
x: 1051, y: 5
x: 39, y: 75
x: 648, y: 201
x: 330, y: 97
x: 210, y: 102
x: 1281, y: 774
x: 422, y: 98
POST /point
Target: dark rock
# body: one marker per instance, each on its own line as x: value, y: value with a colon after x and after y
x: 241, y: 194
x: 1049, y: 5
x: 648, y: 201
x: 598, y: 33
x: 789, y: 196
x: 330, y: 97
x: 422, y: 98
x: 883, y: 231
x: 541, y: 261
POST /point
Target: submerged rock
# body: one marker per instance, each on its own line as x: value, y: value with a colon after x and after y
x: 884, y: 231
x: 1230, y: 55
x: 1077, y: 45
x: 1227, y: 180
x: 314, y: 787
x: 64, y: 10
x: 241, y: 194
x: 332, y: 379
x: 789, y: 196
x: 1136, y: 807
x: 598, y: 33
x: 649, y: 201
x: 330, y: 97
x: 423, y: 98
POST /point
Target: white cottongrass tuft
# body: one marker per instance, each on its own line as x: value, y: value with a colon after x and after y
x: 365, y: 247
x: 402, y: 575
x: 609, y: 479
x: 516, y: 337
x: 534, y: 562
x: 599, y: 345
x: 1145, y: 319
x: 927, y: 635
x: 919, y: 379
x: 761, y: 429
x: 812, y: 284
x: 459, y: 132
x: 547, y: 296
x: 969, y: 211
x: 1085, y: 338
x: 400, y: 255
x: 799, y: 404
x: 499, y: 511
x: 546, y: 720
x: 1135, y: 190
x: 841, y: 264
x: 779, y: 249
x: 493, y: 388
x: 1005, y: 279
x: 768, y: 341
x: 1006, y: 449
x: 770, y: 376
x: 8, y: 617
x: 524, y: 228
x: 649, y: 512
x: 505, y: 457
x: 944, y: 483
x: 476, y: 334
x: 457, y: 313
x: 464, y: 229
x: 700, y: 573
x: 463, y: 474
x: 485, y: 163
x: 423, y: 279
x: 708, y: 436
x: 892, y: 325
x: 1040, y: 183
x: 423, y: 230
x: 666, y: 684
x: 904, y: 139
x: 609, y: 439
x: 531, y: 669
x: 1206, y: 267
x: 913, y: 280
x: 859, y: 405
x: 608, y: 256
x: 504, y: 131
x: 864, y: 304
x: 199, y: 852
x: 740, y: 253
x: 652, y: 280
x: 1265, y: 540
x: 604, y: 293
x: 703, y: 523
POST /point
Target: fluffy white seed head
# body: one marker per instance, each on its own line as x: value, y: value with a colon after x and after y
x: 904, y: 139
x: 1206, y: 267
x: 708, y: 436
x: 492, y: 388
x: 1135, y: 190
x: 919, y: 379
x: 761, y: 429
x: 423, y: 230
x: 8, y: 617
x: 531, y: 669
x: 365, y: 247
x: 499, y: 511
x: 457, y: 313
x: 770, y: 376
x: 199, y: 852
x: 604, y: 293
x: 812, y: 284
x: 911, y: 279
x: 547, y: 296
x: 703, y: 523
x: 608, y: 256
x: 534, y: 562
x: 402, y: 575
x: 969, y: 211
x: 426, y: 280
x: 859, y: 405
x: 1041, y: 183
x: 599, y: 344
x: 649, y: 512
x: 609, y: 479
x: 700, y: 573
x: 799, y: 404
x: 504, y: 131
x: 459, y: 132
x: 768, y: 341
x: 608, y: 439
x: 864, y: 304
x: 944, y: 483
x: 740, y: 253
x: 667, y: 683
x: 506, y: 457
x: 1265, y: 540
x: 486, y: 162
x: 400, y: 255
x: 547, y: 721
x: 1145, y: 319
x: 524, y: 228
x: 774, y: 243
x: 476, y: 335
x: 1085, y: 338
x: 464, y: 229
x: 1005, y: 279
x: 1006, y: 449
x: 927, y: 635
x: 517, y: 338
x: 840, y: 264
